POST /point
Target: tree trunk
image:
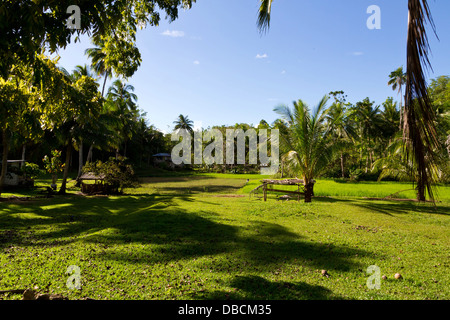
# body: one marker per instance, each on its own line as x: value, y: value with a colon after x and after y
x: 104, y: 84
x: 342, y: 165
x: 24, y: 148
x: 401, y: 110
x: 62, y: 190
x: 5, y: 139
x: 420, y: 192
x: 89, y: 155
x: 309, y: 191
x: 80, y: 158
x: 80, y: 163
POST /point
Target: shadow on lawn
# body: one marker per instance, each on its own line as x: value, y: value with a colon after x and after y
x: 169, y: 233
x: 257, y: 288
x: 402, y: 207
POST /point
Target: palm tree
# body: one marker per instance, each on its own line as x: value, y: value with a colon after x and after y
x: 183, y: 122
x: 80, y: 71
x: 397, y: 80
x: 77, y: 74
x: 122, y: 91
x: 390, y: 116
x: 369, y: 124
x: 419, y: 132
x: 308, y: 145
x: 99, y: 62
x: 342, y: 131
x: 121, y: 95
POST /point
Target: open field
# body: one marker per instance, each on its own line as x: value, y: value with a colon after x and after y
x: 203, y: 237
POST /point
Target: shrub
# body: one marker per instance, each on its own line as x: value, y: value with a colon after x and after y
x: 117, y: 173
x: 32, y: 170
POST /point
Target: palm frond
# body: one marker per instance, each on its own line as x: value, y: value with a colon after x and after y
x: 263, y: 21
x: 419, y: 131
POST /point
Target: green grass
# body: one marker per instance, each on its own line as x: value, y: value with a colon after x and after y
x: 366, y: 189
x: 202, y: 237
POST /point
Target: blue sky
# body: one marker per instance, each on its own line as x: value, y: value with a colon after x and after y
x: 214, y: 66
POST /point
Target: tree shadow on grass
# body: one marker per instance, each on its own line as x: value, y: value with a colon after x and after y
x: 402, y: 207
x: 258, y: 288
x: 166, y: 232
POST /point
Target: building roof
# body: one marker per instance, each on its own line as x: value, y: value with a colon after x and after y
x: 92, y: 176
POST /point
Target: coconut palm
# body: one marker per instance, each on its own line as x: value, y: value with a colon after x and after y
x: 124, y: 106
x: 342, y: 131
x: 80, y: 71
x: 122, y: 91
x: 397, y: 80
x: 308, y: 143
x: 419, y: 132
x: 99, y: 62
x: 183, y: 122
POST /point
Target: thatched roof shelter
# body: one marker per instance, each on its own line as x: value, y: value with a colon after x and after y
x: 92, y: 176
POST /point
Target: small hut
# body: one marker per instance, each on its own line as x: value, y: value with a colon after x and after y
x: 97, y: 187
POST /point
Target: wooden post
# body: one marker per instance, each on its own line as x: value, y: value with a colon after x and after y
x: 265, y: 191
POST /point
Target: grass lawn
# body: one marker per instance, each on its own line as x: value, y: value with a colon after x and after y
x: 203, y: 237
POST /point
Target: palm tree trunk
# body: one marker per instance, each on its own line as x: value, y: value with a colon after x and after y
x: 309, y: 191
x: 62, y: 190
x: 5, y: 139
x: 400, y: 125
x: 24, y: 148
x: 104, y: 83
x: 89, y: 155
x: 80, y: 158
x: 342, y: 165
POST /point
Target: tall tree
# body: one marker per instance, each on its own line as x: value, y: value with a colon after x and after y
x: 124, y: 108
x: 419, y: 132
x: 183, y: 122
x: 342, y: 131
x: 99, y: 62
x: 397, y: 80
x: 24, y: 97
x: 14, y: 98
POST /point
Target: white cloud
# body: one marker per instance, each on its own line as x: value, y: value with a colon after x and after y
x: 196, y: 62
x: 173, y: 33
x: 357, y: 53
x: 283, y: 72
x: 262, y: 56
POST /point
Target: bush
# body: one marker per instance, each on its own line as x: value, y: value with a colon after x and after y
x: 32, y: 170
x: 117, y: 173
